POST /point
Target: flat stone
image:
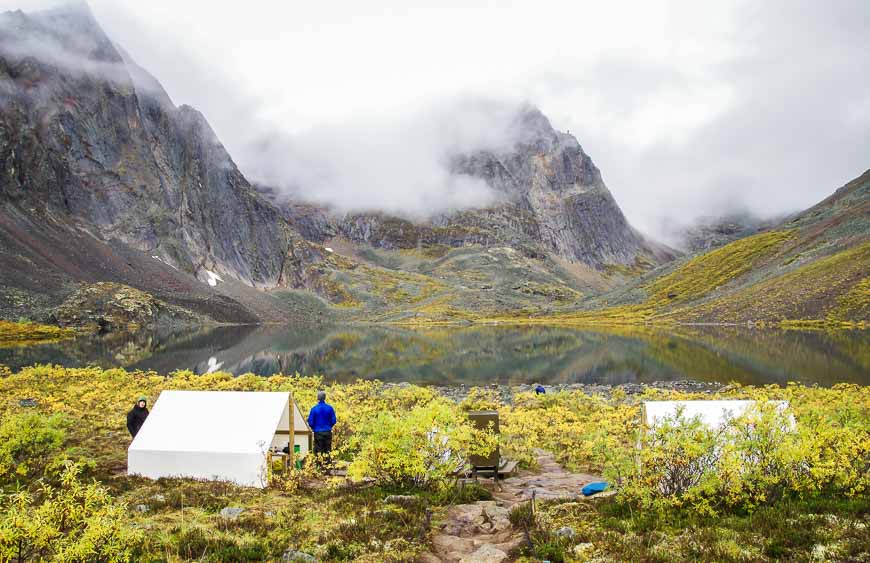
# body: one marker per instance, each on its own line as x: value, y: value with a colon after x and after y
x: 142, y: 508
x: 486, y: 553
x: 293, y: 555
x: 565, y: 532
x: 231, y: 512
x: 486, y: 517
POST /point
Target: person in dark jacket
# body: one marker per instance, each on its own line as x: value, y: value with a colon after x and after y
x: 539, y: 390
x: 137, y: 415
x: 321, y: 419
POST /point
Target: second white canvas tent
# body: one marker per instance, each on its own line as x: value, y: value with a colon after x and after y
x: 216, y: 435
x: 712, y: 413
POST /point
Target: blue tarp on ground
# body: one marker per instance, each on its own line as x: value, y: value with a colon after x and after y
x: 593, y: 488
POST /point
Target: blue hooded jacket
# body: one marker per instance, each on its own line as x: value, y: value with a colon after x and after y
x: 322, y: 417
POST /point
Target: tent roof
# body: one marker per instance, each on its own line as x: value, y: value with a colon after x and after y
x: 212, y: 421
x: 711, y: 413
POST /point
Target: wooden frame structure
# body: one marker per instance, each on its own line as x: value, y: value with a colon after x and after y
x: 289, y: 459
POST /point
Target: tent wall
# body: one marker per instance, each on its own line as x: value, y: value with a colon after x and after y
x: 282, y: 437
x: 280, y: 440
x: 302, y: 431
x: 303, y: 441
x: 244, y: 469
x: 223, y: 435
x: 711, y: 413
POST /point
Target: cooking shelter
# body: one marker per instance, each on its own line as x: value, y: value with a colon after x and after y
x: 218, y: 435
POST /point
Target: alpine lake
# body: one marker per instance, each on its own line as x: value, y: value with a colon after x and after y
x: 479, y: 355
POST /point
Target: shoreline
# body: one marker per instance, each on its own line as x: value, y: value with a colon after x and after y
x: 506, y: 393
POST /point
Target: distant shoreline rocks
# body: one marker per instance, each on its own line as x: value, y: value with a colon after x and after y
x: 506, y: 392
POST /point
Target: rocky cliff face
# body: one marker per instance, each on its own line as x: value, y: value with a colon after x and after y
x: 712, y: 232
x: 553, y: 201
x: 87, y: 133
x: 558, y: 196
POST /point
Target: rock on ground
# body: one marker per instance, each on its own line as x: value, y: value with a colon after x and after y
x: 485, y: 554
x: 231, y: 512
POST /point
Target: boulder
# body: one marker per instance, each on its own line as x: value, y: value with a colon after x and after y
x: 294, y: 555
x: 108, y: 307
x: 486, y: 553
x: 231, y: 512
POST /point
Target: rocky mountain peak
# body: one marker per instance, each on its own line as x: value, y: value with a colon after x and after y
x: 91, y: 134
x: 68, y: 35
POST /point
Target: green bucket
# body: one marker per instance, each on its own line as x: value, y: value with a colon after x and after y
x: 296, y: 451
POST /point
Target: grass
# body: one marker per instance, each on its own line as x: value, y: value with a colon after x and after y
x: 793, y: 530
x: 181, y: 517
x: 693, y: 280
x: 24, y: 333
x: 831, y: 291
x: 708, y: 272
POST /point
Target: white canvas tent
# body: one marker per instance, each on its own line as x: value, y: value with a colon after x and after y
x: 219, y: 435
x: 711, y: 413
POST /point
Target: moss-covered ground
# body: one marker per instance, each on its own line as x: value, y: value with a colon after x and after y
x: 23, y: 333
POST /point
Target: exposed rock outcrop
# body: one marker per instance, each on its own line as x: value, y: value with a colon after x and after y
x: 712, y: 232
x: 107, y: 307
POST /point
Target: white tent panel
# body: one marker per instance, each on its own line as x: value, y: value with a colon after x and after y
x: 711, y: 413
x: 209, y: 435
x: 247, y: 470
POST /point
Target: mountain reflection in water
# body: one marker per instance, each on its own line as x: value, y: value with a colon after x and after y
x: 478, y: 355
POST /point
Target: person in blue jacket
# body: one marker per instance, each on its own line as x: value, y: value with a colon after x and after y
x: 539, y: 390
x: 321, y: 419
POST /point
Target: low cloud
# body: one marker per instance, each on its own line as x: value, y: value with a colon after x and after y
x: 770, y: 129
x: 394, y: 163
x: 76, y: 49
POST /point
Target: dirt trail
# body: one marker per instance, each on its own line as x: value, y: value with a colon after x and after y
x: 481, y: 532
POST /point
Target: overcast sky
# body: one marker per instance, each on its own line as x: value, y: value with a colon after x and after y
x: 687, y: 107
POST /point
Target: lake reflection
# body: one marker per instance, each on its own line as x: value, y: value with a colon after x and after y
x: 480, y: 354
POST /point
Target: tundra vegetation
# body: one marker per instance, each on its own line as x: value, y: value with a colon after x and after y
x: 769, y: 485
x: 26, y: 332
